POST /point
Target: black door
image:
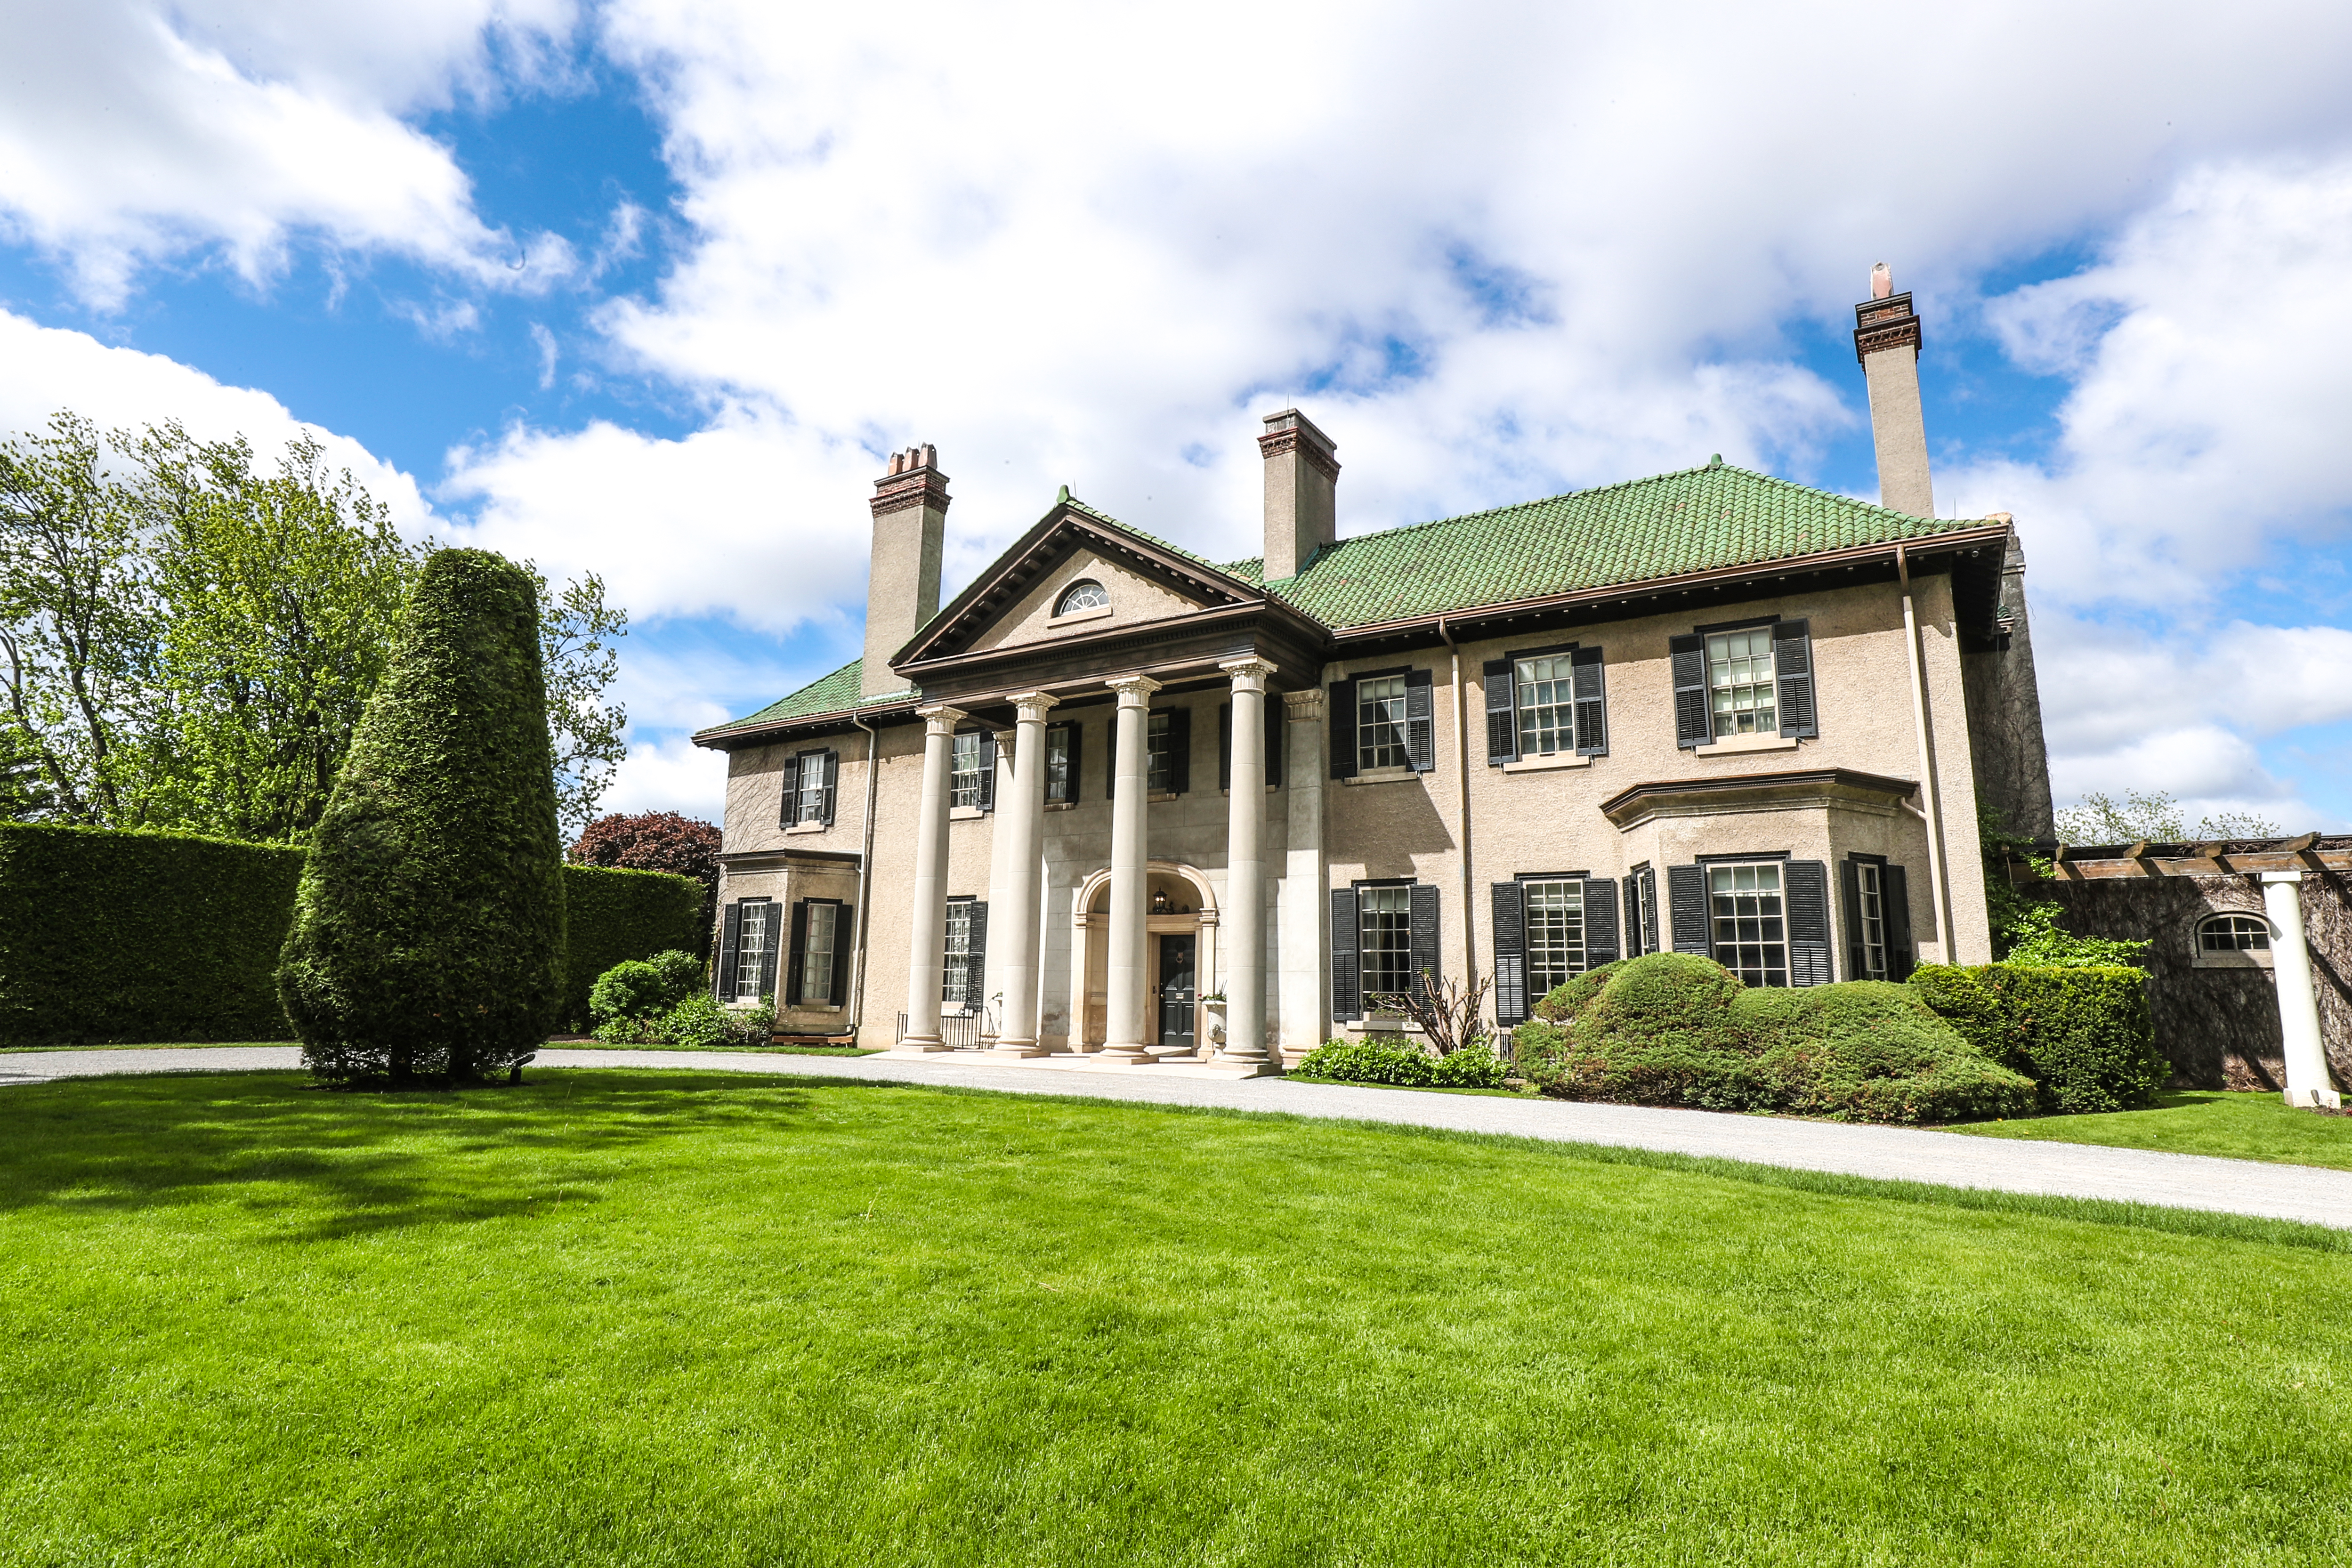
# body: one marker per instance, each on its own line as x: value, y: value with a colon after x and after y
x: 1176, y: 993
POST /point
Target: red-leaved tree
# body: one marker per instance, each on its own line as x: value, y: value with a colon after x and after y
x: 656, y: 841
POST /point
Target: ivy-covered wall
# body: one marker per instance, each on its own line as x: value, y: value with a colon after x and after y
x: 160, y: 938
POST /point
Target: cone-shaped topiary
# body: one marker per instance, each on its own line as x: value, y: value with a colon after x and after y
x: 429, y: 936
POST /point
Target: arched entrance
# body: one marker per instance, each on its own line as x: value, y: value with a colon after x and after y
x: 1181, y: 923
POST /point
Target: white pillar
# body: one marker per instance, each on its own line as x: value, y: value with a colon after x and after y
x: 1000, y: 859
x: 1127, y: 1032
x: 2298, y: 1005
x: 928, y: 941
x: 1305, y: 900
x: 1021, y: 807
x: 1245, y: 978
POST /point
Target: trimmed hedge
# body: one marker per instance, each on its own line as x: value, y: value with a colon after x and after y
x: 2083, y: 1034
x: 1678, y: 1029
x: 617, y: 915
x: 1394, y: 1059
x: 109, y: 937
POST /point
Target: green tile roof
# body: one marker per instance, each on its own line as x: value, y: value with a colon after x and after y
x: 835, y: 693
x: 1698, y: 519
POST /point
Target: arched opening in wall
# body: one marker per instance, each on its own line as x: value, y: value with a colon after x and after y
x: 1180, y: 951
x: 2233, y: 939
x: 1080, y: 596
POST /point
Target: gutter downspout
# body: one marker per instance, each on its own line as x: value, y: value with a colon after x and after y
x: 1462, y: 809
x: 1939, y: 885
x: 865, y: 874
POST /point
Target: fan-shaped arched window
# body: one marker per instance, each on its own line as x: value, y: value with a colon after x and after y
x: 1084, y: 594
x: 2233, y: 933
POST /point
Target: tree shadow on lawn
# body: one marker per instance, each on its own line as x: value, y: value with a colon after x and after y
x: 359, y: 1163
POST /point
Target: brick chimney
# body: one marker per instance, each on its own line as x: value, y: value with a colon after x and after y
x: 1886, y: 341
x: 1302, y: 478
x: 902, y: 592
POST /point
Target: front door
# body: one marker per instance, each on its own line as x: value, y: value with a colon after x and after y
x: 1176, y: 993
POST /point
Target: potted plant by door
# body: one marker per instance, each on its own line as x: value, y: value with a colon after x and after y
x: 1213, y: 1020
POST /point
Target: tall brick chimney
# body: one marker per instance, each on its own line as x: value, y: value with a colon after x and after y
x: 1886, y: 341
x: 902, y: 592
x: 1302, y: 482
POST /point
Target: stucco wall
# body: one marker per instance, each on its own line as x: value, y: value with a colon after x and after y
x: 1133, y: 597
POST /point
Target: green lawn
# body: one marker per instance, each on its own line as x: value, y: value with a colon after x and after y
x: 616, y: 1318
x: 2199, y: 1121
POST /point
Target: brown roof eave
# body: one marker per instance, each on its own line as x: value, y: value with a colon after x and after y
x: 726, y: 737
x: 1651, y: 587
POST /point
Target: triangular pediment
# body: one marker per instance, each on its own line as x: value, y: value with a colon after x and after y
x: 1016, y: 601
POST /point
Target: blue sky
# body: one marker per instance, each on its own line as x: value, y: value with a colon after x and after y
x: 650, y: 290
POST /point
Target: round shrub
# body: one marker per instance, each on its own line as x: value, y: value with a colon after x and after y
x: 1567, y: 999
x: 429, y: 934
x: 1472, y: 1066
x: 1871, y: 1051
x: 1661, y: 993
x: 642, y: 987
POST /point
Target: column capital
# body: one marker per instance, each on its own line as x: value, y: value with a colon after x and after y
x: 1032, y: 705
x: 1249, y: 674
x: 940, y: 718
x: 1306, y: 707
x: 1004, y: 739
x: 1134, y: 691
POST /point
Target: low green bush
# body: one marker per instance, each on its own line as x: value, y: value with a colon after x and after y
x: 696, y: 1020
x: 1393, y: 1059
x: 1678, y: 1029
x: 2083, y: 1034
x: 642, y: 987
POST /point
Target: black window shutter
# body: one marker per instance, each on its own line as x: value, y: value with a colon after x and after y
x: 1225, y: 746
x: 976, y: 958
x: 731, y: 945
x: 788, y: 812
x: 1792, y: 664
x: 832, y: 783
x: 1808, y: 882
x: 1690, y: 694
x: 1894, y: 897
x: 1343, y: 732
x: 1502, y: 713
x: 1599, y: 922
x: 1650, y: 919
x: 988, y: 769
x: 768, y: 953
x: 842, y: 928
x: 1179, y: 748
x: 1686, y: 896
x: 1276, y: 729
x: 1426, y: 962
x: 1591, y: 704
x: 799, y: 952
x: 1077, y: 733
x: 1510, y: 956
x: 1857, y: 966
x: 1346, y: 1001
x: 1420, y: 722
x: 1633, y: 947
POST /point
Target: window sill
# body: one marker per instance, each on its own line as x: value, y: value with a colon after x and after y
x: 814, y: 1007
x: 1228, y: 791
x: 808, y: 827
x: 1383, y: 775
x: 965, y: 813
x: 1061, y: 806
x: 1159, y: 795
x: 1543, y: 764
x: 1074, y: 616
x: 1735, y: 745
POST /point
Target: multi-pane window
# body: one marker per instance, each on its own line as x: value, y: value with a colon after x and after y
x: 1159, y: 765
x: 1555, y: 933
x: 1547, y: 706
x: 965, y: 769
x: 1740, y: 690
x: 956, y: 986
x: 1059, y: 785
x: 1086, y: 595
x: 758, y: 939
x: 808, y: 788
x: 1380, y: 724
x: 1749, y: 927
x: 816, y: 953
x: 1870, y: 894
x: 1384, y: 940
x: 2234, y: 933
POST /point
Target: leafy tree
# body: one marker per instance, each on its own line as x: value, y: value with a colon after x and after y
x: 2154, y: 817
x: 428, y: 937
x: 577, y: 630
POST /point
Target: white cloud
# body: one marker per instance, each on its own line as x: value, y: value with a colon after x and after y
x: 134, y: 132
x: 671, y: 774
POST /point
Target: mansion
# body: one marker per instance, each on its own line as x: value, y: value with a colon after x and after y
x: 1119, y: 801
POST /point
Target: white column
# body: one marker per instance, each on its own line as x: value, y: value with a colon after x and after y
x: 1000, y: 829
x: 1127, y: 1033
x: 1305, y: 900
x: 928, y: 941
x: 1245, y: 976
x: 1021, y: 807
x: 2298, y: 1005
